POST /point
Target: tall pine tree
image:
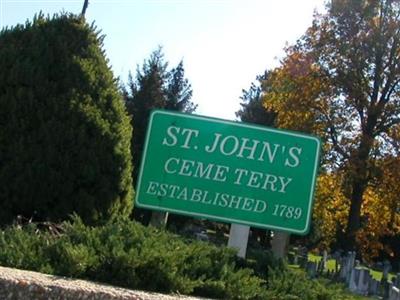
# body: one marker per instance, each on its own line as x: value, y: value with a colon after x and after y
x: 154, y: 87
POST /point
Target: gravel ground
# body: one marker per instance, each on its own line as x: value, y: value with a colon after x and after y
x: 24, y: 285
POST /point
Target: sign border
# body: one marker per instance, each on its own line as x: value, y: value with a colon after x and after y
x: 238, y: 124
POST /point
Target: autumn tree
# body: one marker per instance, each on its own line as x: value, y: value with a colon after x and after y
x: 380, y: 213
x: 331, y: 210
x: 353, y: 51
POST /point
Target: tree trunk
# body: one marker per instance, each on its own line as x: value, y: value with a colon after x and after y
x: 359, y: 180
x: 354, y: 224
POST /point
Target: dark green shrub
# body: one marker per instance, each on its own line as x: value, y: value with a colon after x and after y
x: 295, y: 285
x: 129, y: 255
x: 260, y: 261
x: 64, y: 132
x: 24, y: 248
x: 126, y: 254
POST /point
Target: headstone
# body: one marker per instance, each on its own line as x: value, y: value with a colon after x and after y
x: 295, y: 259
x: 397, y: 280
x: 355, y: 274
x: 329, y: 273
x: 363, y: 282
x: 324, y: 260
x: 290, y: 258
x: 387, y: 287
x: 303, y: 260
x: 357, y: 264
x: 337, y: 270
x: 373, y: 287
x: 346, y: 266
x: 336, y: 257
x: 394, y: 293
x: 311, y: 269
x: 386, y: 269
x: 342, y: 270
x: 359, y: 281
x: 302, y: 257
x: 350, y: 265
x: 320, y: 266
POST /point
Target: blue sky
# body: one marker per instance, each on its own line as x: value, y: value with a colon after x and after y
x: 224, y: 43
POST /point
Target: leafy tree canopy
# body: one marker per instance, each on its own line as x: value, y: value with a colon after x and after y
x: 341, y: 81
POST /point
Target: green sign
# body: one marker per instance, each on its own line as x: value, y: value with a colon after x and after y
x: 228, y: 171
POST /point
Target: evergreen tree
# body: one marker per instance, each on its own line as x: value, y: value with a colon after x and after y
x: 154, y: 87
x: 252, y: 109
x: 64, y: 132
x: 179, y: 91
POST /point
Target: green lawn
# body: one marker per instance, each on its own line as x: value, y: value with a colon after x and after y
x: 330, y: 264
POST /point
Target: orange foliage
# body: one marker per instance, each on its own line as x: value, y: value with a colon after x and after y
x: 295, y: 92
x: 331, y: 209
x: 379, y: 213
x: 380, y: 210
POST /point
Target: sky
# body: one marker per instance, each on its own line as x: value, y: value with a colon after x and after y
x: 224, y: 44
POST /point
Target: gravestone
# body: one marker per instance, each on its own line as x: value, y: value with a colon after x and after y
x: 320, y: 267
x: 303, y: 257
x: 295, y: 259
x: 324, y: 260
x: 394, y: 293
x: 357, y: 264
x: 364, y: 285
x: 386, y: 285
x: 312, y: 269
x: 355, y: 273
x: 374, y: 287
x: 346, y: 266
x: 396, y: 281
x: 359, y: 281
x: 386, y: 269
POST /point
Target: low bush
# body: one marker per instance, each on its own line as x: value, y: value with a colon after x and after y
x: 127, y: 254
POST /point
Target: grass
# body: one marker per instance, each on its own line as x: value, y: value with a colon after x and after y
x: 330, y: 264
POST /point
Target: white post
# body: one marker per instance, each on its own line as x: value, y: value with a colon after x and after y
x: 238, y: 237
